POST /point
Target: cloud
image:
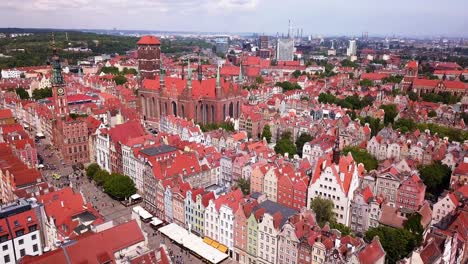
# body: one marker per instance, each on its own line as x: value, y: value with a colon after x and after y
x: 147, y: 5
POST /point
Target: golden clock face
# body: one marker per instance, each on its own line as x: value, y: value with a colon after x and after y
x: 60, y: 91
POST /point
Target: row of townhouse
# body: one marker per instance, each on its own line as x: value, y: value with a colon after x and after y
x: 422, y: 148
x: 280, y: 183
x: 187, y: 130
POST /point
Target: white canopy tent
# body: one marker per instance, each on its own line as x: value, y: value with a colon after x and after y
x: 193, y: 243
x: 155, y: 221
x: 142, y: 213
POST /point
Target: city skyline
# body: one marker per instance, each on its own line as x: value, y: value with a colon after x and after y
x: 314, y: 17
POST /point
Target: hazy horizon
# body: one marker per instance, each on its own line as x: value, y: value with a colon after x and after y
x: 417, y: 18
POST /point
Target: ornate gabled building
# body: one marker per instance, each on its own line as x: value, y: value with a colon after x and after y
x: 209, y: 100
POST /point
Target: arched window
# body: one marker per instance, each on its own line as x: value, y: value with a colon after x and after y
x: 231, y: 110
x: 165, y: 108
x: 183, y: 111
x: 224, y: 112
x: 174, y: 108
x: 212, y: 114
x: 143, y: 106
x: 238, y: 109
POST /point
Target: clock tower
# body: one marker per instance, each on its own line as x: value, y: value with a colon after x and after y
x: 58, y: 86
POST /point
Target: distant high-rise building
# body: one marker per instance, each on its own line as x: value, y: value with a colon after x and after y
x: 352, y: 48
x: 285, y: 49
x: 263, y: 42
x: 222, y: 44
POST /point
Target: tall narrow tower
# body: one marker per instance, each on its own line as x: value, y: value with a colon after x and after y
x: 58, y: 86
x: 149, y: 57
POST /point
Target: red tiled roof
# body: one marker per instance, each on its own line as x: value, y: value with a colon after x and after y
x: 89, y: 248
x: 5, y: 113
x: 372, y: 253
x: 148, y: 40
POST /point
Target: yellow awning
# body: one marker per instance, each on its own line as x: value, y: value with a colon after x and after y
x: 222, y: 248
x: 215, y: 244
x: 207, y: 240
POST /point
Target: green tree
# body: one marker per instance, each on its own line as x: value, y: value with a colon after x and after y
x: 22, y: 93
x: 300, y: 141
x: 432, y: 113
x: 412, y: 96
x: 266, y: 133
x: 323, y: 209
x: 374, y: 124
x: 285, y: 145
x: 92, y: 169
x: 100, y: 177
x: 366, y: 83
x: 259, y: 80
x: 110, y: 70
x: 42, y: 93
x: 345, y: 230
x: 397, y: 243
x: 436, y: 176
x: 119, y: 79
x: 288, y: 86
x: 391, y: 112
x: 327, y: 98
x: 126, y: 71
x: 362, y: 156
x: 405, y: 125
x: 296, y: 73
x: 119, y: 186
x: 244, y: 185
x: 349, y: 63
x: 413, y: 224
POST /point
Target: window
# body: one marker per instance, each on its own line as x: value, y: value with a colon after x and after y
x: 35, y: 247
x: 22, y: 252
x: 6, y: 259
x: 21, y: 242
x: 5, y: 247
x: 33, y: 237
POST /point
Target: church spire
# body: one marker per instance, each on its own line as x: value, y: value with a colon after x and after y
x: 218, y: 83
x: 57, y: 78
x: 189, y: 74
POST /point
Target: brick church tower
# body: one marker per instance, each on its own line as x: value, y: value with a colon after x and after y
x: 149, y: 57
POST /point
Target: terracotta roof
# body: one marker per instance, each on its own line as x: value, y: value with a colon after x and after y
x: 5, y: 113
x: 148, y: 40
x: 372, y: 252
x: 89, y: 248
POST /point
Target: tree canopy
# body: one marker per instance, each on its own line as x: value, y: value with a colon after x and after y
x: 285, y: 144
x: 366, y: 83
x: 120, y: 79
x: 351, y: 102
x: 100, y: 177
x: 397, y: 243
x: 391, y: 112
x: 323, y: 209
x: 436, y: 176
x: 22, y: 93
x: 288, y: 86
x: 228, y: 126
x: 266, y: 133
x: 92, y: 169
x: 119, y: 186
x: 244, y: 185
x: 42, y: 93
x: 362, y: 156
x: 300, y: 141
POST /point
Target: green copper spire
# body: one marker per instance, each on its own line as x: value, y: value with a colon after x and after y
x: 57, y: 78
x: 189, y: 74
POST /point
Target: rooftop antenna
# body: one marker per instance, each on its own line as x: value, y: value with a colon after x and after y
x: 289, y: 28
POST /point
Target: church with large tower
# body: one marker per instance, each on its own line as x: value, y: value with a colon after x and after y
x: 204, y: 100
x: 70, y: 135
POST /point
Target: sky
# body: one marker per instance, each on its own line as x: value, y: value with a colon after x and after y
x: 316, y: 17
